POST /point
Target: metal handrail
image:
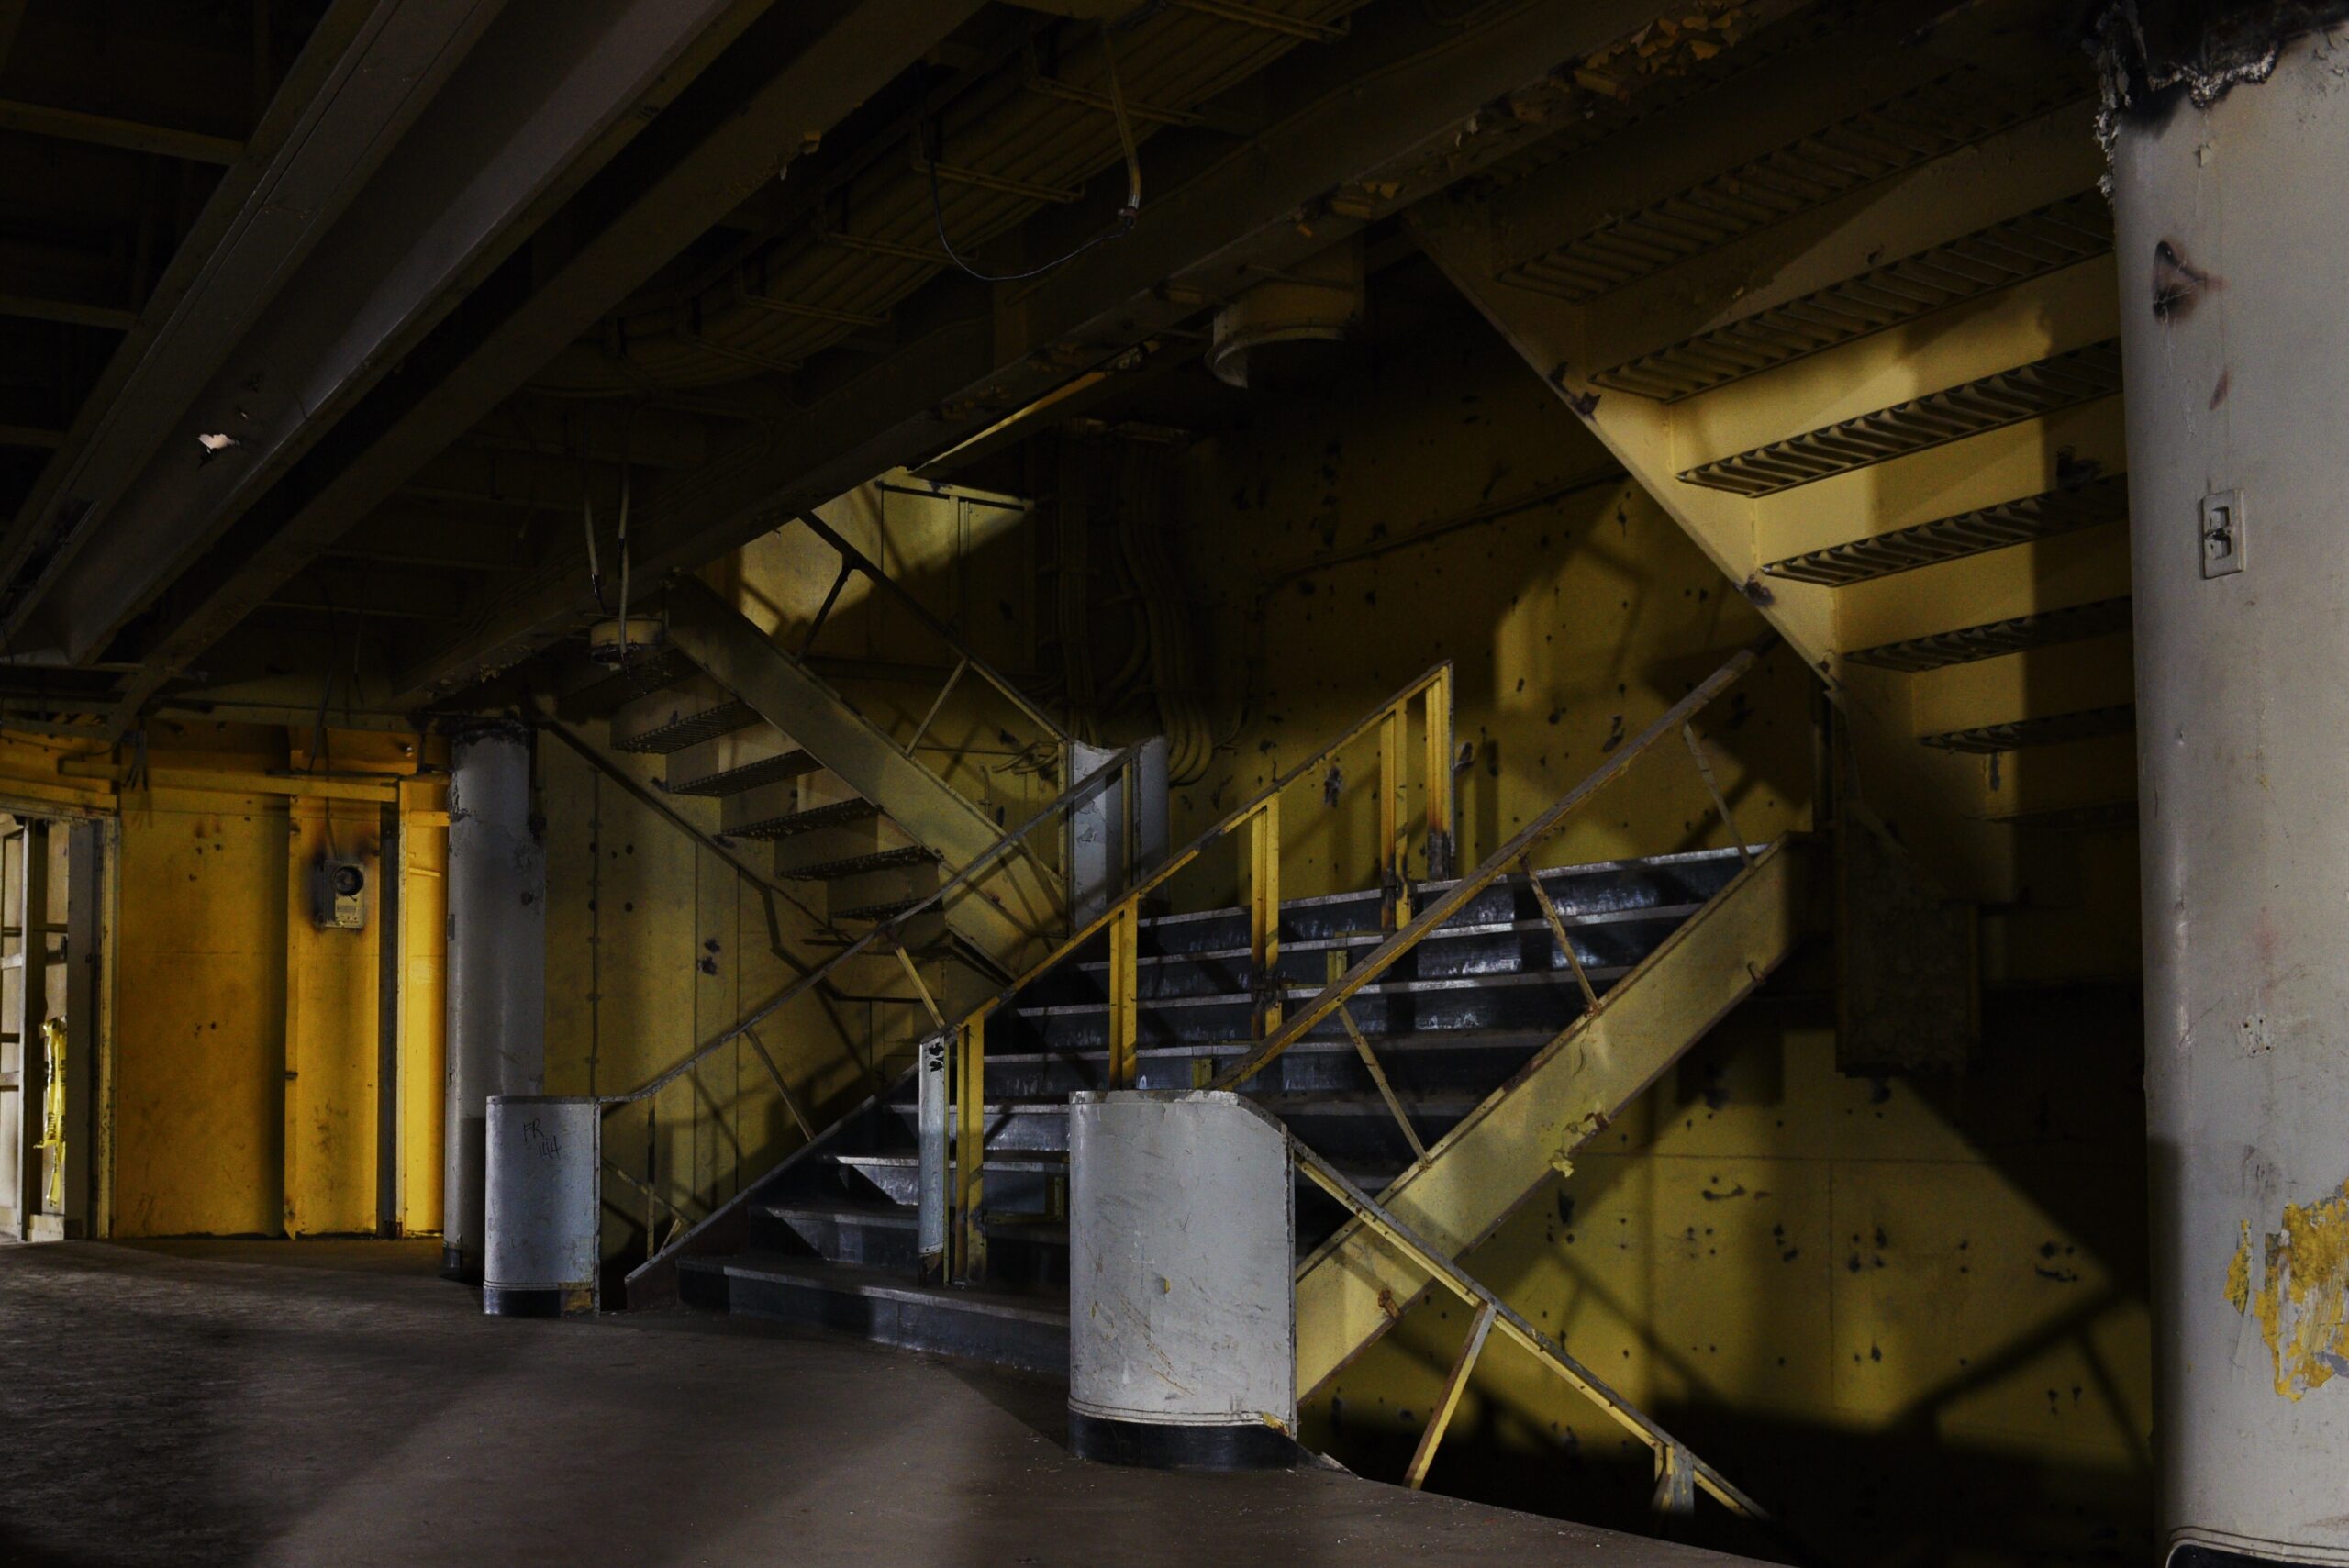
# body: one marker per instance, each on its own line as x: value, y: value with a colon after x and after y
x: 1122, y: 920
x: 1679, y: 1471
x: 749, y: 1022
x: 853, y: 559
x: 1333, y: 996
x: 1199, y: 846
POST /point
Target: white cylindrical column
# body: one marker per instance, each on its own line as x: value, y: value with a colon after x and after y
x: 2234, y: 248
x: 1182, y: 1311
x: 542, y: 1213
x: 496, y: 964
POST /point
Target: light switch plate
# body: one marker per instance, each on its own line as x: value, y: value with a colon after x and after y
x: 2222, y: 533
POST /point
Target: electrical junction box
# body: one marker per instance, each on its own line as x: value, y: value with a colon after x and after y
x: 339, y: 895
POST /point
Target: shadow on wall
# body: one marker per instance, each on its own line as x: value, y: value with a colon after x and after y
x: 1908, y: 1315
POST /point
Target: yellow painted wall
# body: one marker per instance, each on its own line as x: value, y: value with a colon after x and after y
x: 200, y: 1016
x: 1910, y: 1313
x: 970, y: 564
x: 333, y: 1012
x: 653, y: 945
x: 1570, y: 623
x: 241, y: 1094
x: 424, y: 947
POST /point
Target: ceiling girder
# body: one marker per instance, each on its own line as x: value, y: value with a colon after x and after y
x: 812, y: 64
x: 1388, y: 117
x: 549, y: 92
x: 365, y: 75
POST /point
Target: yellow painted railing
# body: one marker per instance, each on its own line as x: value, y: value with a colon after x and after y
x: 1515, y: 855
x: 1260, y: 817
x: 882, y: 938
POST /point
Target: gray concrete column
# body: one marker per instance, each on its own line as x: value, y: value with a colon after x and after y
x: 497, y: 966
x: 1182, y: 1301
x: 2233, y: 246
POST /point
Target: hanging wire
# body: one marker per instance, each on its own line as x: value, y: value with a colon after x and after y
x: 587, y: 511
x: 1121, y: 225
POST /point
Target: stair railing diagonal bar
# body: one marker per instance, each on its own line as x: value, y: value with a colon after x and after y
x: 853, y: 559
x: 1456, y: 897
x: 1672, y: 1456
x: 1260, y: 815
x: 885, y: 932
x: 884, y: 936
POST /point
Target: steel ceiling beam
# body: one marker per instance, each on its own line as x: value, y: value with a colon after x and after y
x: 548, y: 94
x: 1398, y: 111
x: 366, y: 73
x: 805, y: 69
x: 129, y: 136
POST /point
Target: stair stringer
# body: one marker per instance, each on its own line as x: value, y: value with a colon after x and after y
x: 1014, y: 911
x: 1353, y: 1287
x: 1904, y: 781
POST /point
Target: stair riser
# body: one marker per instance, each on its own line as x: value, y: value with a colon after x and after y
x: 1547, y: 1005
x: 1017, y: 1261
x: 1413, y: 1072
x: 724, y: 754
x: 840, y: 842
x: 1028, y: 1132
x: 1577, y: 893
x: 660, y: 716
x: 1007, y: 1192
x: 1347, y: 1134
x: 940, y: 1328
x: 1513, y: 953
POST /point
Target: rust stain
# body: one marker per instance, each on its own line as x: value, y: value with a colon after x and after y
x: 2178, y: 283
x: 2302, y: 1294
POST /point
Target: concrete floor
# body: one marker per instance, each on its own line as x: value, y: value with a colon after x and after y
x: 332, y: 1402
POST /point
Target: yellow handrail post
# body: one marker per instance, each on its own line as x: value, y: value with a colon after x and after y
x: 1265, y: 913
x: 1125, y: 1007
x: 1394, y: 887
x: 971, y: 1145
x: 1442, y: 816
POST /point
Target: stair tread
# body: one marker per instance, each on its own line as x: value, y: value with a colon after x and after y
x: 789, y: 824
x: 1419, y: 1039
x: 905, y: 1216
x: 1442, y: 933
x: 855, y: 1279
x: 1336, y: 1101
x: 1551, y: 876
x: 1307, y: 988
x: 750, y: 775
x: 690, y: 728
x: 1048, y: 1160
x: 856, y: 865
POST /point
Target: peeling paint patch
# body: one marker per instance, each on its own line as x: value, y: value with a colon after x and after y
x: 2302, y: 1300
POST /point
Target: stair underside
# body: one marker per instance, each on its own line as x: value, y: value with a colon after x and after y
x: 691, y: 730
x: 857, y: 865
x: 749, y: 777
x: 2046, y: 729
x: 1988, y: 403
x: 2046, y: 628
x: 1961, y: 534
x: 2004, y: 253
x: 790, y: 824
x: 1964, y: 106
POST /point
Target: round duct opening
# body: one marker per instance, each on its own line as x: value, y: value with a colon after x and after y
x: 1293, y: 326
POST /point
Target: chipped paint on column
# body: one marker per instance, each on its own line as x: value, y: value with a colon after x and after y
x: 1181, y: 1298
x: 2230, y: 241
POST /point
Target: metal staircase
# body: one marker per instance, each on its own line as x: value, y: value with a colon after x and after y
x: 833, y: 1233
x: 852, y: 811
x: 1850, y: 316
x: 1444, y: 1042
